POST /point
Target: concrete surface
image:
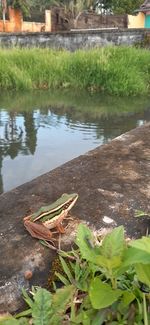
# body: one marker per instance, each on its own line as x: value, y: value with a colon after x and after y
x: 75, y: 39
x: 112, y: 181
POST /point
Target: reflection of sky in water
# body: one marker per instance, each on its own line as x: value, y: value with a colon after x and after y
x: 57, y: 142
x: 42, y: 141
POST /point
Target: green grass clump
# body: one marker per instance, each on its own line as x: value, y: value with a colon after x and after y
x: 114, y: 70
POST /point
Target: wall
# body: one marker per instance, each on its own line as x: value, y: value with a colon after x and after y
x: 16, y: 23
x: 92, y: 20
x: 57, y: 20
x: 61, y: 20
x: 147, y: 21
x: 32, y: 27
x: 136, y: 21
x: 74, y: 40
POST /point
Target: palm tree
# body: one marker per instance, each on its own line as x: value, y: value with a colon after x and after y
x: 75, y: 8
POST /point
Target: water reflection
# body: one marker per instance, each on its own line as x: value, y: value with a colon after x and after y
x: 41, y: 130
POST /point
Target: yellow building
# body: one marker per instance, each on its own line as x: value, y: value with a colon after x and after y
x: 136, y: 21
x: 142, y: 19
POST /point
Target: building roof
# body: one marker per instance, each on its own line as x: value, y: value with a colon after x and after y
x: 145, y: 6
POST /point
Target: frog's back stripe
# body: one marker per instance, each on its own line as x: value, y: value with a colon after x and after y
x: 63, y: 201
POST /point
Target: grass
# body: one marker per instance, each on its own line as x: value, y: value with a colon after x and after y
x: 113, y: 70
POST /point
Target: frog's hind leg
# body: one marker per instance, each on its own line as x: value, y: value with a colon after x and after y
x: 37, y: 230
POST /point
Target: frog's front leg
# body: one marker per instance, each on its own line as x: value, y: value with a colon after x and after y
x: 37, y: 230
x: 60, y: 228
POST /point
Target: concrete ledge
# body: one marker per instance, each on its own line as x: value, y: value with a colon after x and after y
x: 75, y: 39
x: 113, y: 180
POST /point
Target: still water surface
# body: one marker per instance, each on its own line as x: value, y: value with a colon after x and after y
x: 41, y: 130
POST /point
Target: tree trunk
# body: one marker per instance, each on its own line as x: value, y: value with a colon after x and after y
x: 4, y: 8
x: 75, y: 21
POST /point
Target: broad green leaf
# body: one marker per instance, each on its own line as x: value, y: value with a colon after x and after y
x: 83, y: 239
x: 114, y: 243
x: 102, y: 295
x: 62, y: 297
x: 23, y: 321
x: 109, y: 254
x: 99, y: 318
x: 41, y: 309
x: 82, y: 318
x: 88, y: 317
x: 143, y: 273
x: 142, y: 244
x: 127, y: 298
x: 92, y: 254
x: 133, y: 256
x: 104, y: 262
x: 113, y: 263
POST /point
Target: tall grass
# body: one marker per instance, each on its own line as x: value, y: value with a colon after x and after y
x: 114, y: 70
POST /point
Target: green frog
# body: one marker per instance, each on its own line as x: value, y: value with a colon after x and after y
x: 48, y: 217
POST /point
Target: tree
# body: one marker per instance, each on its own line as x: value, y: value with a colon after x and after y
x: 119, y: 6
x: 23, y: 5
x: 126, y: 6
x: 74, y: 8
x: 41, y: 5
x: 4, y: 9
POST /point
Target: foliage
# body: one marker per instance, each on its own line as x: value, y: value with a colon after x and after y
x: 140, y: 213
x: 120, y: 6
x: 105, y: 283
x: 42, y: 4
x: 74, y: 8
x: 113, y: 70
x: 23, y: 5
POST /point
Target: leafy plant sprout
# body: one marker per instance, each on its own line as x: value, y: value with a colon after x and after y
x: 104, y: 282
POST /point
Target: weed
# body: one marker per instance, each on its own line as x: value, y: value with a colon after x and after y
x: 104, y: 282
x: 113, y: 70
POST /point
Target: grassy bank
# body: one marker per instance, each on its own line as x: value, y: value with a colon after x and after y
x: 114, y: 70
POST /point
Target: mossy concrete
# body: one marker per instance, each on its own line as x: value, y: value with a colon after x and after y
x: 73, y: 40
x: 112, y: 181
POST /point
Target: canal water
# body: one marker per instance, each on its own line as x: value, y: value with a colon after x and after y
x: 41, y: 130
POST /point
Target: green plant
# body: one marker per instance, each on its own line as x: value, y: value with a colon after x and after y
x: 119, y: 71
x: 140, y: 213
x: 106, y: 282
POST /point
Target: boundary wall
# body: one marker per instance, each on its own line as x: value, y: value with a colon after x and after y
x: 77, y: 39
